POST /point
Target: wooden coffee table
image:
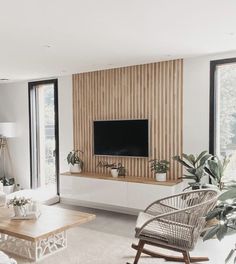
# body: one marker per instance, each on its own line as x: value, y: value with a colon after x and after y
x: 36, y: 239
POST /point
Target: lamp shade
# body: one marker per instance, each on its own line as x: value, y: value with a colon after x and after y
x: 7, y: 129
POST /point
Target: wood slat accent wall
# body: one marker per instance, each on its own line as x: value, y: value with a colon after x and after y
x: 152, y: 91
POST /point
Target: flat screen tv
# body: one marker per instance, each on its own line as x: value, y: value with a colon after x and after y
x: 121, y: 138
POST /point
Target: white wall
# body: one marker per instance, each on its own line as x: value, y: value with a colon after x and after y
x: 196, y: 101
x: 14, y: 108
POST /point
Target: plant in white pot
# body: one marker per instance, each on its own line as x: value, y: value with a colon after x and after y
x: 116, y: 169
x: 195, y: 167
x: 74, y: 161
x: 225, y: 214
x: 160, y: 167
x: 20, y: 206
x: 8, y: 184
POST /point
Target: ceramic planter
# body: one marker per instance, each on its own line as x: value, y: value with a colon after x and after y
x: 76, y: 168
x: 8, y: 189
x: 161, y: 176
x: 114, y: 173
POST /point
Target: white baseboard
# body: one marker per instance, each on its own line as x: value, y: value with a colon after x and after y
x: 106, y: 207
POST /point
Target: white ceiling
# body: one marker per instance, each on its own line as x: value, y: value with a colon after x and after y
x: 86, y: 35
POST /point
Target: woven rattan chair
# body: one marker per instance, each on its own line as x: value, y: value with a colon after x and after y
x: 174, y: 223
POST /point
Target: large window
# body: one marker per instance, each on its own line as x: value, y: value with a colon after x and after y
x: 43, y: 103
x: 223, y: 112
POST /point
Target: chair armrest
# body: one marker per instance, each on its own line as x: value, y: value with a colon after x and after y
x: 158, y: 207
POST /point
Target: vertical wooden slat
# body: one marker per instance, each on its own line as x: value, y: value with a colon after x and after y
x: 153, y: 91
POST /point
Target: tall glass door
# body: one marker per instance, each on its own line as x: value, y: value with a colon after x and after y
x: 223, y: 111
x: 44, y: 135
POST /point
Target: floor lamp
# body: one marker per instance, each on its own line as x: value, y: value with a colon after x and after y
x: 7, y: 130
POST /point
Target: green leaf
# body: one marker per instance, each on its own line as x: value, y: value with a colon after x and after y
x: 231, y: 194
x: 69, y: 158
x: 201, y: 155
x: 204, y: 159
x: 208, y: 171
x: 212, y: 214
x: 177, y: 158
x: 191, y: 171
x: 190, y: 158
x: 222, y: 232
x: 211, y: 233
x: 229, y: 256
x: 214, y: 168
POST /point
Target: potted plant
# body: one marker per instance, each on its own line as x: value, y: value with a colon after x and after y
x: 215, y: 168
x: 160, y: 167
x: 20, y: 206
x: 8, y: 184
x: 116, y: 169
x: 194, y: 165
x: 74, y: 161
x: 225, y: 214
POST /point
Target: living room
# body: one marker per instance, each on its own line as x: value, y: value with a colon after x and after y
x: 117, y: 132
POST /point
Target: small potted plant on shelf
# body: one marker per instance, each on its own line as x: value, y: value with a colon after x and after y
x: 20, y: 206
x: 194, y: 165
x: 116, y: 169
x: 74, y: 161
x: 8, y: 184
x: 160, y: 167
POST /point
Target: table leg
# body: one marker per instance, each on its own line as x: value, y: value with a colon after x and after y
x: 34, y: 250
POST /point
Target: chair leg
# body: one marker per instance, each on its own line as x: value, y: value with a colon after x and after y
x: 139, y: 251
x: 186, y: 257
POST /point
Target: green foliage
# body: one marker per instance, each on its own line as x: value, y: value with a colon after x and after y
x: 73, y: 158
x: 228, y: 195
x: 20, y: 201
x: 215, y: 168
x: 7, y: 182
x: 194, y: 165
x: 159, y: 166
x: 119, y: 167
x: 225, y: 213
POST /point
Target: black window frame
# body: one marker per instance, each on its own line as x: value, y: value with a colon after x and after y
x: 213, y: 99
x: 31, y: 94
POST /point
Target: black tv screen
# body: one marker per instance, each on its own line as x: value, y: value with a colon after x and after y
x: 121, y: 138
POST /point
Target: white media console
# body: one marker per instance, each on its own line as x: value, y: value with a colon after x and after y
x: 120, y: 194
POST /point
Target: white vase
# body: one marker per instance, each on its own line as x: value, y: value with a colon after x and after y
x: 20, y: 211
x: 8, y: 189
x: 161, y: 176
x: 76, y: 168
x: 114, y: 173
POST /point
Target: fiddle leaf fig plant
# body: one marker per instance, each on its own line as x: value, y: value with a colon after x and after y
x: 194, y: 165
x: 215, y: 168
x: 225, y: 215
